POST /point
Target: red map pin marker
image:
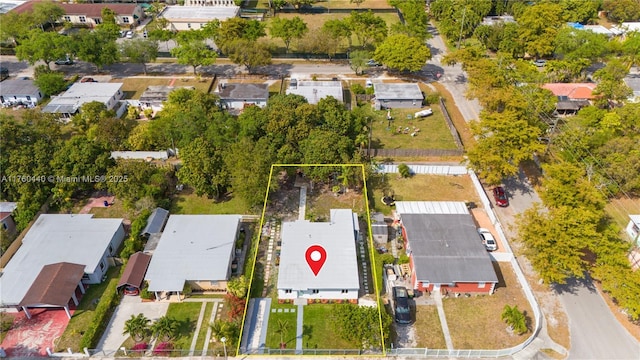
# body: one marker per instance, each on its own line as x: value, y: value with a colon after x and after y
x: 316, y: 255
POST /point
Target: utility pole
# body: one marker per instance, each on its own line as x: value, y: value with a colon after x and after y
x: 464, y: 12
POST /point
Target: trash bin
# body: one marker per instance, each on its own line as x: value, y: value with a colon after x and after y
x: 106, y: 203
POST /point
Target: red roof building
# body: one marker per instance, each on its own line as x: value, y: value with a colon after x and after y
x: 572, y: 91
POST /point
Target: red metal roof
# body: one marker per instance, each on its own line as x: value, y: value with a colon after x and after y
x: 133, y: 273
x: 574, y: 91
x: 54, y: 285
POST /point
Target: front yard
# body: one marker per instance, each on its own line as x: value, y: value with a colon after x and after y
x: 186, y: 315
x: 475, y: 322
x: 282, y: 326
x: 318, y: 332
x: 428, y: 328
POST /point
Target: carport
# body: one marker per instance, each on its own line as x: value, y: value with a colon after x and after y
x: 54, y: 286
x: 134, y: 272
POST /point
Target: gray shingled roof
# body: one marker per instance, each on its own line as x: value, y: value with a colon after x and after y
x: 244, y: 92
x: 446, y: 249
x: 18, y: 87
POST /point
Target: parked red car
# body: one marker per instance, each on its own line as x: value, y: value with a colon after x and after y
x: 500, y: 196
x: 131, y: 290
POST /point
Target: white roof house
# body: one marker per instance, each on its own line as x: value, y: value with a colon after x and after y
x: 79, y: 94
x: 140, y: 155
x: 195, y: 17
x: 313, y: 91
x: 338, y: 278
x: 54, y: 238
x: 193, y: 248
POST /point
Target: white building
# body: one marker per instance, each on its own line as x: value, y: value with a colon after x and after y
x: 57, y: 238
x: 338, y: 278
x: 633, y: 228
x: 155, y: 95
x: 15, y: 92
x: 70, y: 102
x: 193, y: 249
x: 183, y: 18
x: 313, y: 91
x: 140, y: 155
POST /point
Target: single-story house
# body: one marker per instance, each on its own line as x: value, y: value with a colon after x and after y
x: 6, y: 216
x: 60, y: 238
x: 571, y: 96
x: 237, y: 96
x: 379, y: 228
x: 140, y: 155
x: 598, y: 29
x: 155, y: 95
x: 133, y: 274
x: 633, y: 228
x: 338, y: 278
x: 210, y: 3
x: 90, y: 14
x: 633, y: 82
x: 444, y: 248
x: 183, y: 18
x: 19, y: 92
x: 397, y: 95
x: 69, y: 103
x: 313, y: 91
x: 196, y: 250
x: 495, y: 20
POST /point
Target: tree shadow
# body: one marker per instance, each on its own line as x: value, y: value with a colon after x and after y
x: 573, y: 285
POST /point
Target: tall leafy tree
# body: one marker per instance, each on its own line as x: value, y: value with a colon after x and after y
x: 16, y: 26
x: 337, y: 29
x: 320, y: 42
x: 621, y: 10
x: 46, y: 13
x: 504, y: 141
x: 358, y: 60
x: 539, y: 26
x: 46, y: 46
x: 248, y: 164
x: 194, y: 53
x: 164, y: 328
x: 403, y: 53
x: 288, y: 29
x: 97, y: 47
x: 140, y: 51
x: 574, y: 44
x: 248, y: 53
x: 203, y: 168
x: 51, y: 82
x: 368, y: 28
x: 415, y: 18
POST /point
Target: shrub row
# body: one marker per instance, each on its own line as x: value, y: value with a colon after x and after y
x: 105, y: 308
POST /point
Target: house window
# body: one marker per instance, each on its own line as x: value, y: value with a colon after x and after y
x: 213, y: 283
x: 189, y: 25
x: 101, y: 265
x: 82, y: 19
x: 98, y: 21
x: 4, y: 226
x: 125, y: 19
x: 85, y: 276
x: 110, y: 249
x: 315, y: 291
x: 67, y: 18
x: 288, y: 291
x: 345, y: 291
x: 481, y: 285
x: 28, y: 98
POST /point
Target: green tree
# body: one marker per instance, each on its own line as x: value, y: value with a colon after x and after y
x: 137, y: 327
x: 194, y: 53
x: 51, y: 83
x: 202, y: 168
x: 16, y: 26
x: 504, y: 141
x: 515, y: 319
x: 403, y: 53
x: 288, y: 29
x: 358, y: 60
x: 299, y: 4
x: 631, y: 49
x: 573, y: 44
x: 140, y: 51
x: 248, y: 164
x: 620, y: 11
x: 164, y: 328
x: 404, y: 170
x: 325, y: 147
x: 539, y: 25
x: 238, y: 286
x: 97, y: 47
x: 143, y: 181
x: 611, y: 87
x: 42, y: 45
x: 90, y: 114
x: 319, y: 42
x: 161, y: 35
x: 248, y: 53
x: 226, y: 329
x: 416, y: 20
x: 459, y: 18
x: 337, y: 29
x: 46, y: 13
x: 584, y: 12
x: 282, y: 327
x: 367, y: 27
x: 359, y: 324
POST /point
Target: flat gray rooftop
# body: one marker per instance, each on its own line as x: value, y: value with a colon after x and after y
x: 313, y: 91
x: 233, y: 91
x: 18, y: 87
x: 395, y: 91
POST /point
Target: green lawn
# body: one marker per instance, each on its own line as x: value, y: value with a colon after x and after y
x: 430, y: 132
x: 202, y: 334
x: 318, y: 333
x: 190, y: 203
x: 319, y: 206
x: 186, y: 314
x: 273, y: 336
x: 117, y: 210
x: 85, y: 312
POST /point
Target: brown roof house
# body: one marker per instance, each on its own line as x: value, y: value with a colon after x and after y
x: 133, y: 274
x: 91, y: 14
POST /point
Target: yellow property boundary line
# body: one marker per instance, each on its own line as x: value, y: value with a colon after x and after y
x: 371, y: 255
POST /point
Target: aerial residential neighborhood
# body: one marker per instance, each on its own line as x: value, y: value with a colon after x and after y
x: 388, y: 178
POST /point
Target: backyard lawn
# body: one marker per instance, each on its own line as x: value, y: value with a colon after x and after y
x: 85, y: 312
x: 428, y: 329
x: 289, y: 330
x: 475, y: 323
x: 423, y: 188
x: 188, y: 202
x: 319, y: 206
x: 318, y: 332
x: 186, y: 315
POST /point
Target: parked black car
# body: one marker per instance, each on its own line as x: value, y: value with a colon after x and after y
x: 401, y: 309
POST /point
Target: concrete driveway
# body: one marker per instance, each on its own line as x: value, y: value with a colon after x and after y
x: 595, y: 332
x: 130, y: 305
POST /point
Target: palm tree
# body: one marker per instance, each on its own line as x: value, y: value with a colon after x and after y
x: 515, y: 319
x: 164, y: 328
x: 137, y: 327
x: 282, y: 328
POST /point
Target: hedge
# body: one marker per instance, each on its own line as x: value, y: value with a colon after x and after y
x: 104, y: 310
